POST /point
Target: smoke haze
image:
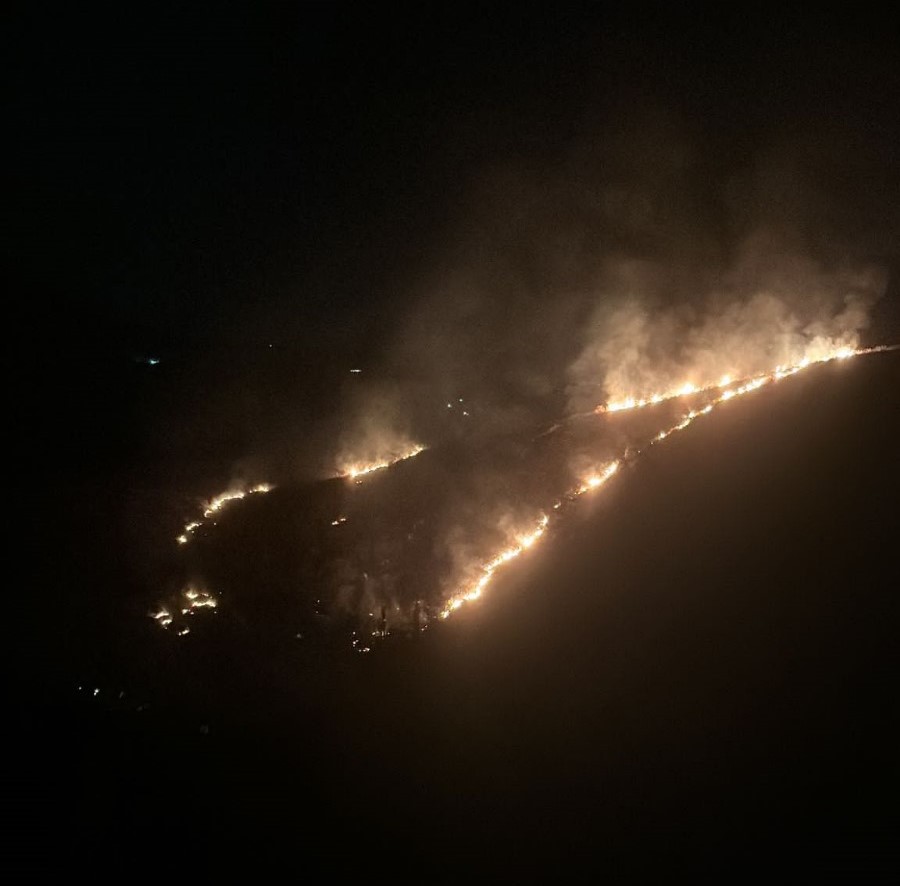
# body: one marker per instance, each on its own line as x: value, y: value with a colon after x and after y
x: 771, y: 309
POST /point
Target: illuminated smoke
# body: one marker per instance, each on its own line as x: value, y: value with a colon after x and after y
x: 597, y: 478
x: 769, y: 310
x: 356, y: 469
x: 523, y: 542
x: 375, y: 433
x: 688, y: 389
x: 522, y: 535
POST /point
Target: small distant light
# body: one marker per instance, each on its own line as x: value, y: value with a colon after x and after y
x: 356, y: 371
x: 270, y: 346
x: 465, y: 413
x: 96, y: 692
x: 152, y: 361
x: 449, y: 406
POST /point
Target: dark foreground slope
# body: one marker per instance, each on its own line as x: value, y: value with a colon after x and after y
x: 699, y: 671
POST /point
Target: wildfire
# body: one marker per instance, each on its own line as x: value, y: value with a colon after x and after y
x: 214, y: 505
x: 163, y: 617
x: 724, y: 390
x: 189, y: 603
x: 220, y: 501
x: 353, y: 471
x: 599, y: 477
x: 488, y: 569
x: 757, y: 382
x: 686, y: 389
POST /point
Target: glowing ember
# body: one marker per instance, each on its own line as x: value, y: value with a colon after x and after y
x: 358, y: 470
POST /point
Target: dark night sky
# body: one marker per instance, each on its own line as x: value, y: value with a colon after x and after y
x: 263, y: 197
x: 186, y: 171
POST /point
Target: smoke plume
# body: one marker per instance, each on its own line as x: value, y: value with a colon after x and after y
x: 770, y: 308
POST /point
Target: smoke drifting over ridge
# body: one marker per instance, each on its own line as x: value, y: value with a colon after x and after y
x: 769, y: 310
x: 377, y: 436
x: 638, y: 259
x: 626, y: 254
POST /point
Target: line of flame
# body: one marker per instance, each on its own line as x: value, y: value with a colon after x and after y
x: 688, y: 388
x: 360, y: 470
x: 214, y: 505
x: 488, y: 569
x: 599, y: 477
